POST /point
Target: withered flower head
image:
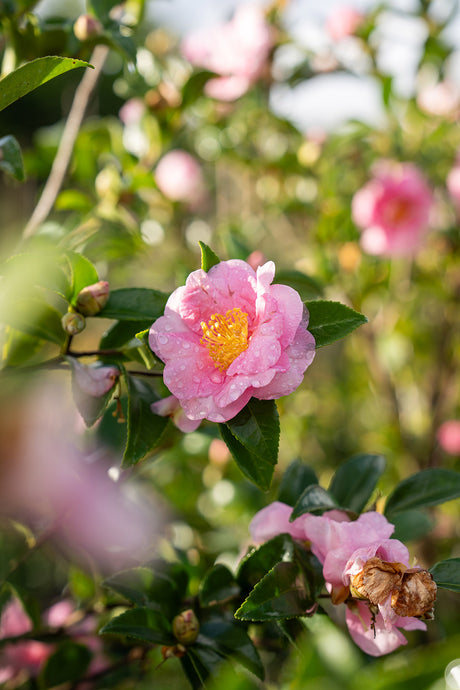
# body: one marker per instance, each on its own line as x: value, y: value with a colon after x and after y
x: 377, y: 580
x: 416, y: 595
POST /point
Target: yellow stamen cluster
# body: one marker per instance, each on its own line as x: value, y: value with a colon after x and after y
x: 226, y: 336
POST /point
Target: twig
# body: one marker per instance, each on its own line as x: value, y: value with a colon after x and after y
x: 69, y: 135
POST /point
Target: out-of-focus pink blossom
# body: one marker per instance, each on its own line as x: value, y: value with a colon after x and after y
x: 179, y: 177
x: 453, y: 185
x: 256, y: 259
x: 393, y: 209
x: 94, y: 380
x: 343, y: 22
x: 27, y: 656
x: 441, y: 99
x: 449, y: 436
x: 237, y: 51
x: 132, y: 111
x: 229, y: 335
x: 171, y: 407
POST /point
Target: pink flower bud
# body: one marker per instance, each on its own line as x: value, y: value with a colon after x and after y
x: 73, y: 323
x: 186, y: 627
x: 94, y: 380
x: 87, y: 27
x: 179, y: 177
x: 93, y: 298
x: 449, y: 436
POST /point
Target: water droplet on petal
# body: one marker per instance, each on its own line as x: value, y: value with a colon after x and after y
x: 163, y: 339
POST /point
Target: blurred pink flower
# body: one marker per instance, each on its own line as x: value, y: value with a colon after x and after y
x: 229, y: 335
x: 449, y: 436
x: 393, y: 209
x: 453, y: 185
x: 343, y: 21
x: 179, y: 177
x: 27, y: 656
x: 237, y: 50
x: 132, y: 111
x: 170, y: 407
x: 442, y: 99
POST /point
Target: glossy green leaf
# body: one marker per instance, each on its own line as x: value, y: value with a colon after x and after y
x: 446, y: 574
x: 411, y: 524
x: 314, y: 499
x: 295, y: 480
x: 144, y: 427
x: 256, y: 564
x: 19, y: 347
x: 36, y: 318
x: 252, y: 437
x: 121, y: 333
x: 36, y: 269
x: 80, y: 271
x: 134, y: 304
x: 112, y: 429
x: 28, y: 77
x: 307, y: 287
x: 330, y: 321
x: 311, y: 568
x: 355, y: 480
x: 231, y: 640
x: 11, y: 157
x: 218, y: 585
x: 208, y: 257
x: 283, y: 593
x: 426, y: 488
x: 199, y: 663
x: 143, y: 624
x: 67, y: 664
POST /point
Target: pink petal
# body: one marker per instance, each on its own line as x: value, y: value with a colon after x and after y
x: 381, y: 642
x: 273, y: 520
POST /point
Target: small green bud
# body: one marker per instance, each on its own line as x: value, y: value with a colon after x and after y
x: 73, y: 323
x: 93, y: 298
x: 186, y: 627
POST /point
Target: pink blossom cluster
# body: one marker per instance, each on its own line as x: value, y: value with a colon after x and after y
x: 26, y: 658
x: 228, y: 335
x: 344, y: 547
x: 237, y: 51
x: 393, y: 209
x: 179, y: 177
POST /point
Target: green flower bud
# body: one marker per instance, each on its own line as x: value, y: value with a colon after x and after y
x: 93, y: 298
x: 73, y: 323
x: 186, y: 627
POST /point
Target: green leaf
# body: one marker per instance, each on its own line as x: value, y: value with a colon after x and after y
x: 283, y: 593
x: 11, y: 157
x: 81, y: 273
x: 411, y: 524
x: 199, y: 663
x: 208, y: 257
x: 314, y: 499
x: 307, y: 287
x: 112, y: 429
x: 311, y: 568
x: 121, y: 333
x: 142, y: 624
x: 217, y: 586
x: 36, y: 318
x: 67, y: 664
x: 355, y: 480
x: 28, y: 77
x: 134, y: 304
x: 144, y: 427
x: 252, y: 437
x: 232, y: 641
x: 35, y: 269
x: 19, y: 347
x: 426, y: 488
x: 295, y: 480
x: 255, y: 565
x: 330, y: 321
x: 446, y: 574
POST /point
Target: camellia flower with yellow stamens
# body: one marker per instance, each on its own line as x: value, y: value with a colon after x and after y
x: 228, y: 335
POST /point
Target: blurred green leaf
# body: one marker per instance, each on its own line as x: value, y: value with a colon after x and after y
x: 231, y: 640
x: 36, y: 318
x: 311, y: 568
x: 144, y: 427
x: 307, y: 287
x: 142, y: 624
x: 74, y: 200
x: 330, y: 321
x: 67, y: 664
x: 282, y: 593
x: 208, y: 257
x: 134, y: 304
x: 259, y: 561
x: 313, y: 499
x: 295, y: 480
x: 11, y: 157
x: 252, y: 437
x: 218, y: 585
x: 199, y: 663
x: 426, y: 488
x: 355, y: 480
x: 446, y: 574
x: 122, y: 332
x: 411, y: 524
x: 80, y: 271
x: 18, y: 347
x: 33, y: 74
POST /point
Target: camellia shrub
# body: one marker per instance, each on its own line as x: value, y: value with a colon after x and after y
x: 229, y: 429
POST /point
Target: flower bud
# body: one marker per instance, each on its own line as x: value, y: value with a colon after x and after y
x: 73, y: 323
x: 93, y: 298
x: 86, y: 27
x: 186, y: 627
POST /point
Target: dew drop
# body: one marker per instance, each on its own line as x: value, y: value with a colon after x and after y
x: 163, y: 339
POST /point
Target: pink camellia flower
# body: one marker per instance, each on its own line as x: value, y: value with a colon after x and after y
x: 343, y: 22
x: 170, y: 407
x: 228, y: 335
x: 179, y: 177
x: 237, y: 50
x: 449, y: 436
x: 27, y: 656
x: 393, y: 209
